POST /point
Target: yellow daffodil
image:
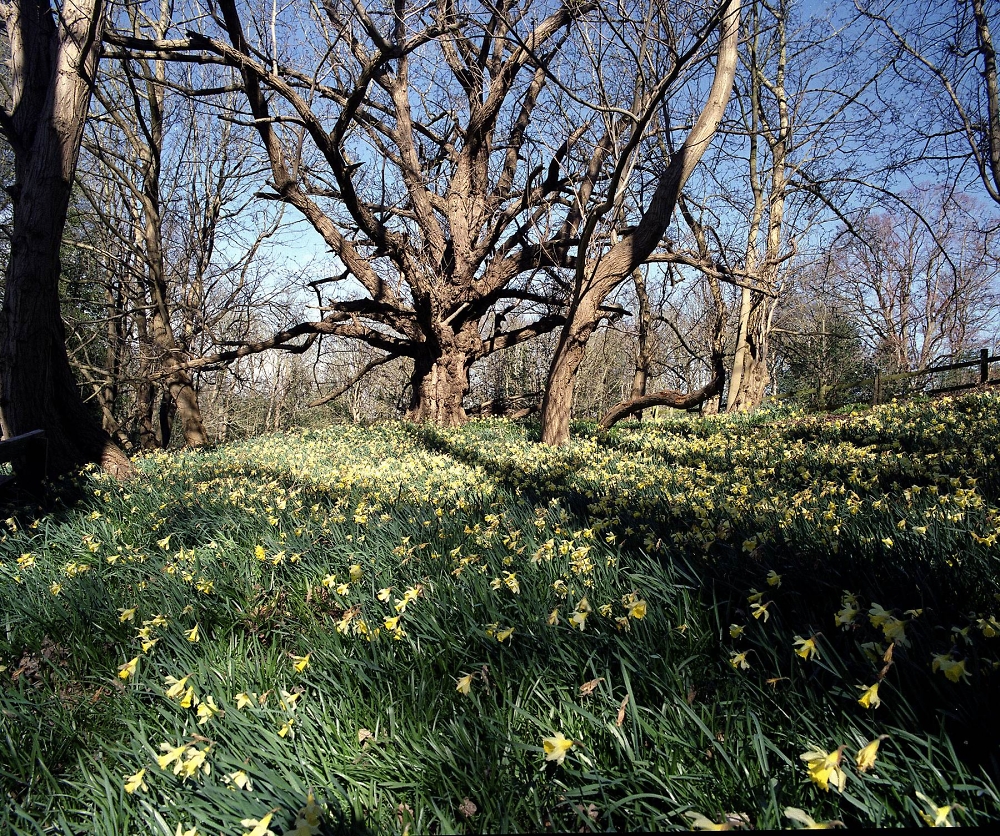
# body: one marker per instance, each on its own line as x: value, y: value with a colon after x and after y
x: 990, y: 627
x: 553, y: 618
x: 806, y: 647
x: 938, y: 816
x: 128, y: 669
x: 824, y: 768
x: 879, y: 616
x: 176, y: 686
x: 301, y: 662
x: 773, y: 579
x: 951, y: 668
x: 192, y: 634
x: 739, y: 660
x: 287, y: 727
x: 384, y: 594
x: 845, y: 617
x: 136, y: 782
x: 503, y: 635
x: 329, y: 581
x: 870, y: 697
x: 165, y: 542
x: 180, y: 831
x: 759, y: 611
x: 637, y: 610
x: 258, y: 827
x: 700, y: 822
x: 194, y: 762
x: 735, y: 631
x: 556, y: 747
x: 800, y: 816
x: 392, y: 623
x: 189, y: 698
x: 866, y: 755
x: 172, y: 754
x: 56, y: 588
x: 342, y: 589
x: 207, y: 709
x: 238, y: 779
x: 578, y: 620
x: 126, y: 615
x: 243, y: 700
x: 754, y: 596
x: 356, y: 572
x: 464, y: 684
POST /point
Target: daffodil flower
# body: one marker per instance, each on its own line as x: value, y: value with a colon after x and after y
x: 553, y: 618
x: 464, y: 684
x: 638, y: 610
x: 759, y: 611
x: 578, y: 620
x: 824, y: 768
x: 172, y: 754
x: 800, y: 816
x: 176, y: 686
x: 356, y: 572
x: 870, y: 697
x: 503, y: 635
x: 258, y: 826
x: 700, y: 822
x: 135, y: 782
x: 286, y: 728
x: 128, y: 669
x: 301, y: 662
x: 126, y: 615
x: 192, y: 634
x: 243, y: 700
x: 384, y: 594
x: 739, y: 660
x: 189, y: 698
x: 556, y: 747
x: 938, y: 816
x: 951, y: 668
x: 866, y: 756
x: 806, y: 647
x: 735, y: 631
x: 180, y: 831
x: 207, y: 709
x: 773, y: 579
x: 194, y: 762
x: 392, y: 623
x: 240, y: 779
x: 878, y: 615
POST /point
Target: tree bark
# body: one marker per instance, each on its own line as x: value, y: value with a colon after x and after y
x: 53, y: 63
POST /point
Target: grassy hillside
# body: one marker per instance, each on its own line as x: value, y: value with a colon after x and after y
x: 464, y: 631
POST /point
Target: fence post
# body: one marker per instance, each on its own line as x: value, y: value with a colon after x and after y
x: 984, y: 365
x: 878, y: 389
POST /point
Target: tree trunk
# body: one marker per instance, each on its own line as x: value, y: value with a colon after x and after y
x: 52, y: 65
x: 165, y: 425
x: 750, y: 373
x: 440, y: 384
x: 643, y: 354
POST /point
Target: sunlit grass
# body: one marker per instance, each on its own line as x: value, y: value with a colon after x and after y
x: 397, y: 618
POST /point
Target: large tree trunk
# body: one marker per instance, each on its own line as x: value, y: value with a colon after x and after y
x: 440, y: 384
x: 53, y: 62
x: 750, y: 373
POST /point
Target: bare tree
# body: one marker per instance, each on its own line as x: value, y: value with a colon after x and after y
x: 600, y: 269
x: 53, y: 52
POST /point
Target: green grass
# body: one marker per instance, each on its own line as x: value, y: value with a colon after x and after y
x: 897, y: 506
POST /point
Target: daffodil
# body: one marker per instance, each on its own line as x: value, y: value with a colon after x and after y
x: 180, y: 831
x: 878, y: 615
x: 806, y: 647
x: 128, y: 669
x: 287, y: 727
x: 938, y: 816
x: 464, y: 684
x: 824, y: 768
x: 192, y: 634
x: 553, y: 617
x: 301, y: 662
x: 637, y: 610
x: 135, y: 782
x: 759, y: 611
x: 700, y: 822
x: 258, y: 826
x: 176, y: 686
x: 239, y: 779
x: 126, y: 615
x: 189, y: 698
x: 503, y: 635
x: 194, y: 762
x: 172, y: 754
x: 392, y: 623
x: 207, y: 709
x: 951, y: 668
x: 739, y: 660
x: 243, y: 700
x: 578, y: 620
x: 870, y: 697
x: 735, y: 631
x: 384, y: 594
x: 866, y: 755
x: 356, y: 572
x: 800, y: 816
x: 773, y: 579
x: 556, y: 747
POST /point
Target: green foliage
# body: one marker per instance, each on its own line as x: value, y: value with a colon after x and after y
x: 348, y: 585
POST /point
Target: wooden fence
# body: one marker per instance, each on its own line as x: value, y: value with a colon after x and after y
x: 983, y: 363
